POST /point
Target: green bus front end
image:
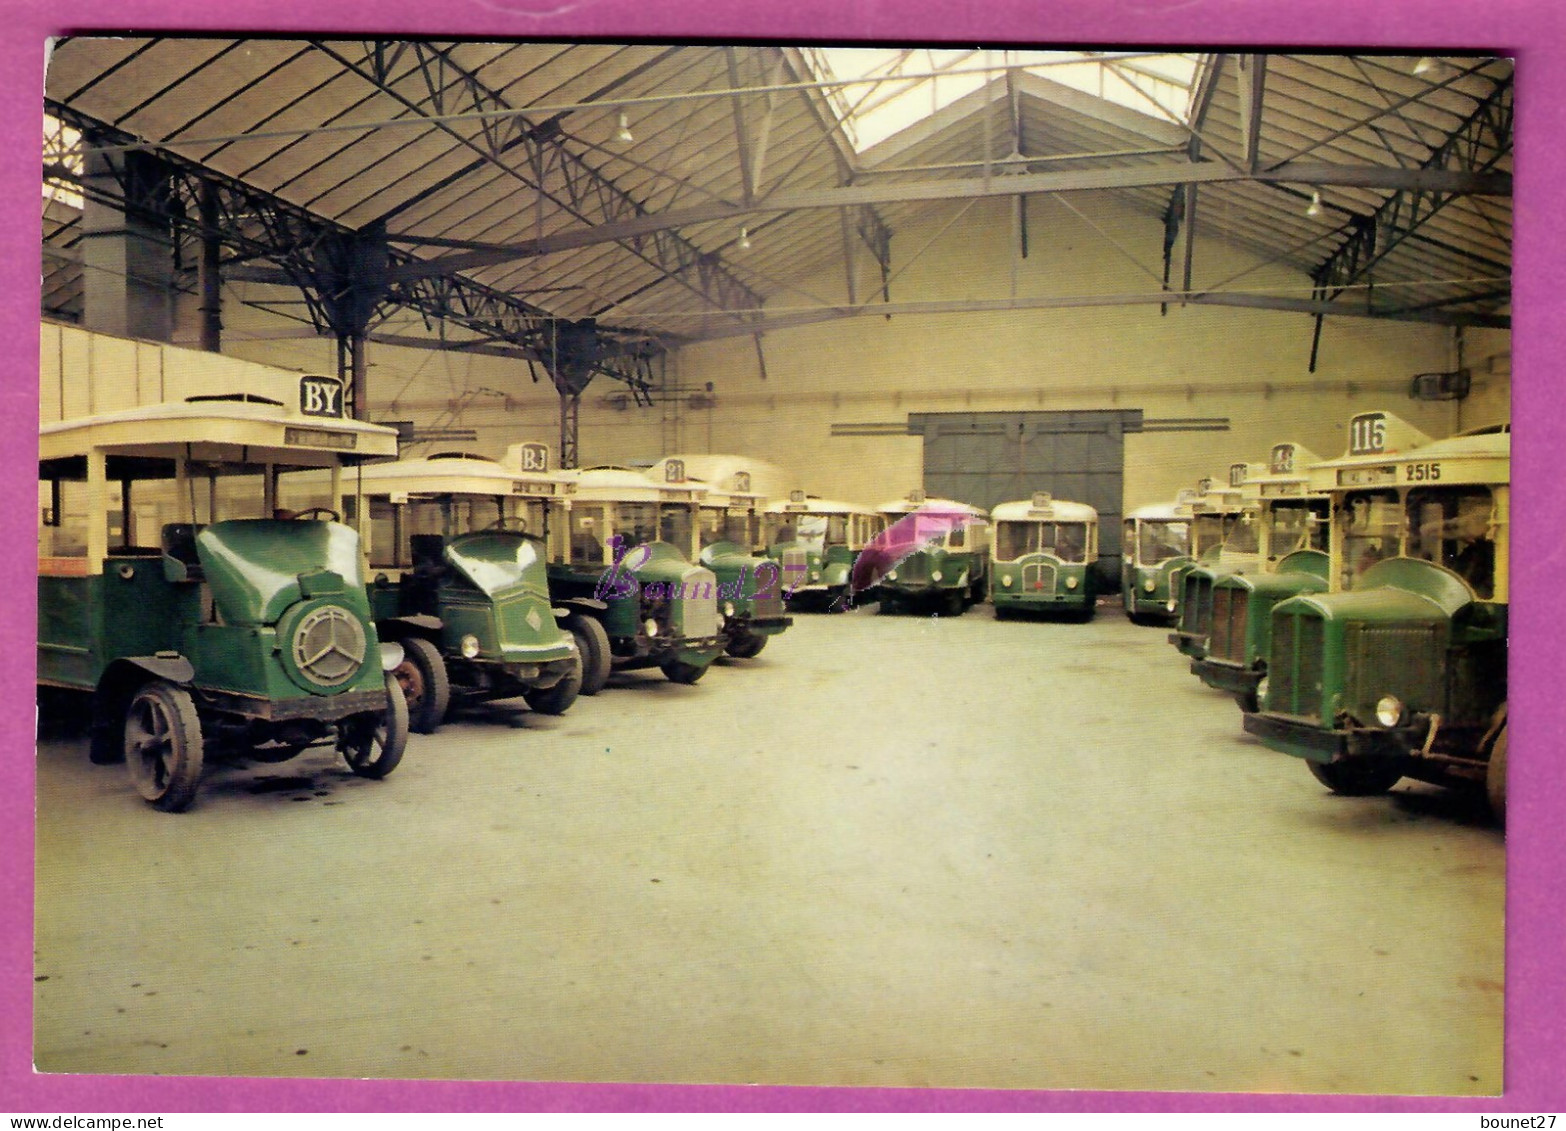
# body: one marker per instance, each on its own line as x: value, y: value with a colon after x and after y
x: 749, y: 595
x: 1238, y: 634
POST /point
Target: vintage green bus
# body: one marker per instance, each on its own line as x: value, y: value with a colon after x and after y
x: 1042, y: 552
x: 950, y: 574
x: 1243, y: 553
x: 1399, y: 669
x: 1289, y: 526
x: 1216, y: 508
x: 1155, y: 549
x: 623, y: 555
x: 728, y: 528
x: 816, y: 543
x: 204, y: 625
x: 457, y: 551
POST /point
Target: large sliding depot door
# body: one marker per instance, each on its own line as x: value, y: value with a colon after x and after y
x: 984, y: 458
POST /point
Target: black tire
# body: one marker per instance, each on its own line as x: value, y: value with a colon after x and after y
x: 955, y: 603
x: 1002, y: 612
x: 677, y: 671
x: 1356, y: 777
x: 372, y: 745
x: 556, y: 700
x: 747, y: 646
x: 1495, y: 777
x: 593, y: 643
x: 163, y: 747
x: 425, y: 684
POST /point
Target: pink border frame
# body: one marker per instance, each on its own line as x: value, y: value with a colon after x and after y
x: 1534, y: 31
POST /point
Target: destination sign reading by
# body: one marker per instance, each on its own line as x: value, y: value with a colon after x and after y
x: 321, y: 396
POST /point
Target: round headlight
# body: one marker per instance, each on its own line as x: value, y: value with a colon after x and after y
x: 936, y: 576
x: 470, y: 646
x: 728, y: 608
x: 1149, y: 585
x: 1261, y: 693
x: 1006, y: 579
x: 1170, y: 604
x: 651, y: 626
x: 1389, y: 710
x: 1071, y: 583
x: 891, y: 575
x: 815, y: 575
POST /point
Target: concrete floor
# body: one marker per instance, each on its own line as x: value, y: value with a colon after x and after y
x: 895, y: 851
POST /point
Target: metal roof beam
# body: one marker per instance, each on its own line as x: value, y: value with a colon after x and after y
x: 586, y: 193
x: 1475, y: 148
x: 1437, y: 180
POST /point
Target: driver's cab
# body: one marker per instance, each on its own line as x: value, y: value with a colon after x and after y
x: 816, y: 541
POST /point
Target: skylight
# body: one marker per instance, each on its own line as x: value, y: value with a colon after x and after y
x: 914, y: 83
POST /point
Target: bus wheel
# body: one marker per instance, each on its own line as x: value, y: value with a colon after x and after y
x: 425, y: 684
x: 1495, y: 776
x: 956, y: 603
x: 593, y: 643
x: 372, y: 745
x: 677, y: 671
x: 556, y: 700
x: 163, y: 747
x: 1357, y: 777
x: 746, y: 647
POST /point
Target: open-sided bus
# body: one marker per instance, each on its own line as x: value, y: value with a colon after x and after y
x: 728, y: 528
x: 1042, y: 552
x: 951, y: 573
x: 1289, y: 526
x: 816, y: 542
x: 1155, y: 549
x: 1399, y: 670
x: 203, y: 625
x: 457, y: 549
x: 623, y: 556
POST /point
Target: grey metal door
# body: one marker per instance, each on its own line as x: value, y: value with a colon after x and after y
x: 984, y: 458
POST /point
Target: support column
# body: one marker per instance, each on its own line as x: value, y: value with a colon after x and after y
x: 211, y: 271
x: 127, y: 255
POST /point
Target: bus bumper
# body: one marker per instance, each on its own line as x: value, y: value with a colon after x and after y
x: 1305, y: 738
x: 1189, y: 644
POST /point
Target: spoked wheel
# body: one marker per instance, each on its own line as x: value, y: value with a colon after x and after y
x: 746, y: 646
x: 593, y: 643
x: 163, y: 747
x: 372, y: 745
x: 677, y: 671
x: 424, y: 683
x: 556, y: 700
x: 1357, y: 777
x: 1495, y: 776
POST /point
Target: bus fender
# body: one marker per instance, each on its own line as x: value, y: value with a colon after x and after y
x: 116, y: 686
x: 589, y: 605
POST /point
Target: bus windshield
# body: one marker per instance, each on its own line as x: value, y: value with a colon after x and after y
x: 1158, y: 541
x: 1367, y: 525
x: 1065, y: 540
x: 1210, y: 530
x: 1244, y: 535
x: 720, y: 524
x: 1294, y: 526
x: 1451, y: 526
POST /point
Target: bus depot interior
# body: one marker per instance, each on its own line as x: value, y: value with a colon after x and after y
x: 714, y: 765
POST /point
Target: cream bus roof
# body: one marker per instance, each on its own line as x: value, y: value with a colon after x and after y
x: 739, y: 475
x: 908, y: 506
x: 1217, y: 496
x: 726, y: 491
x: 1161, y: 512
x: 1479, y: 457
x: 1285, y: 473
x: 812, y: 505
x: 223, y: 431
x: 1055, y: 510
x: 457, y: 473
x: 624, y: 485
